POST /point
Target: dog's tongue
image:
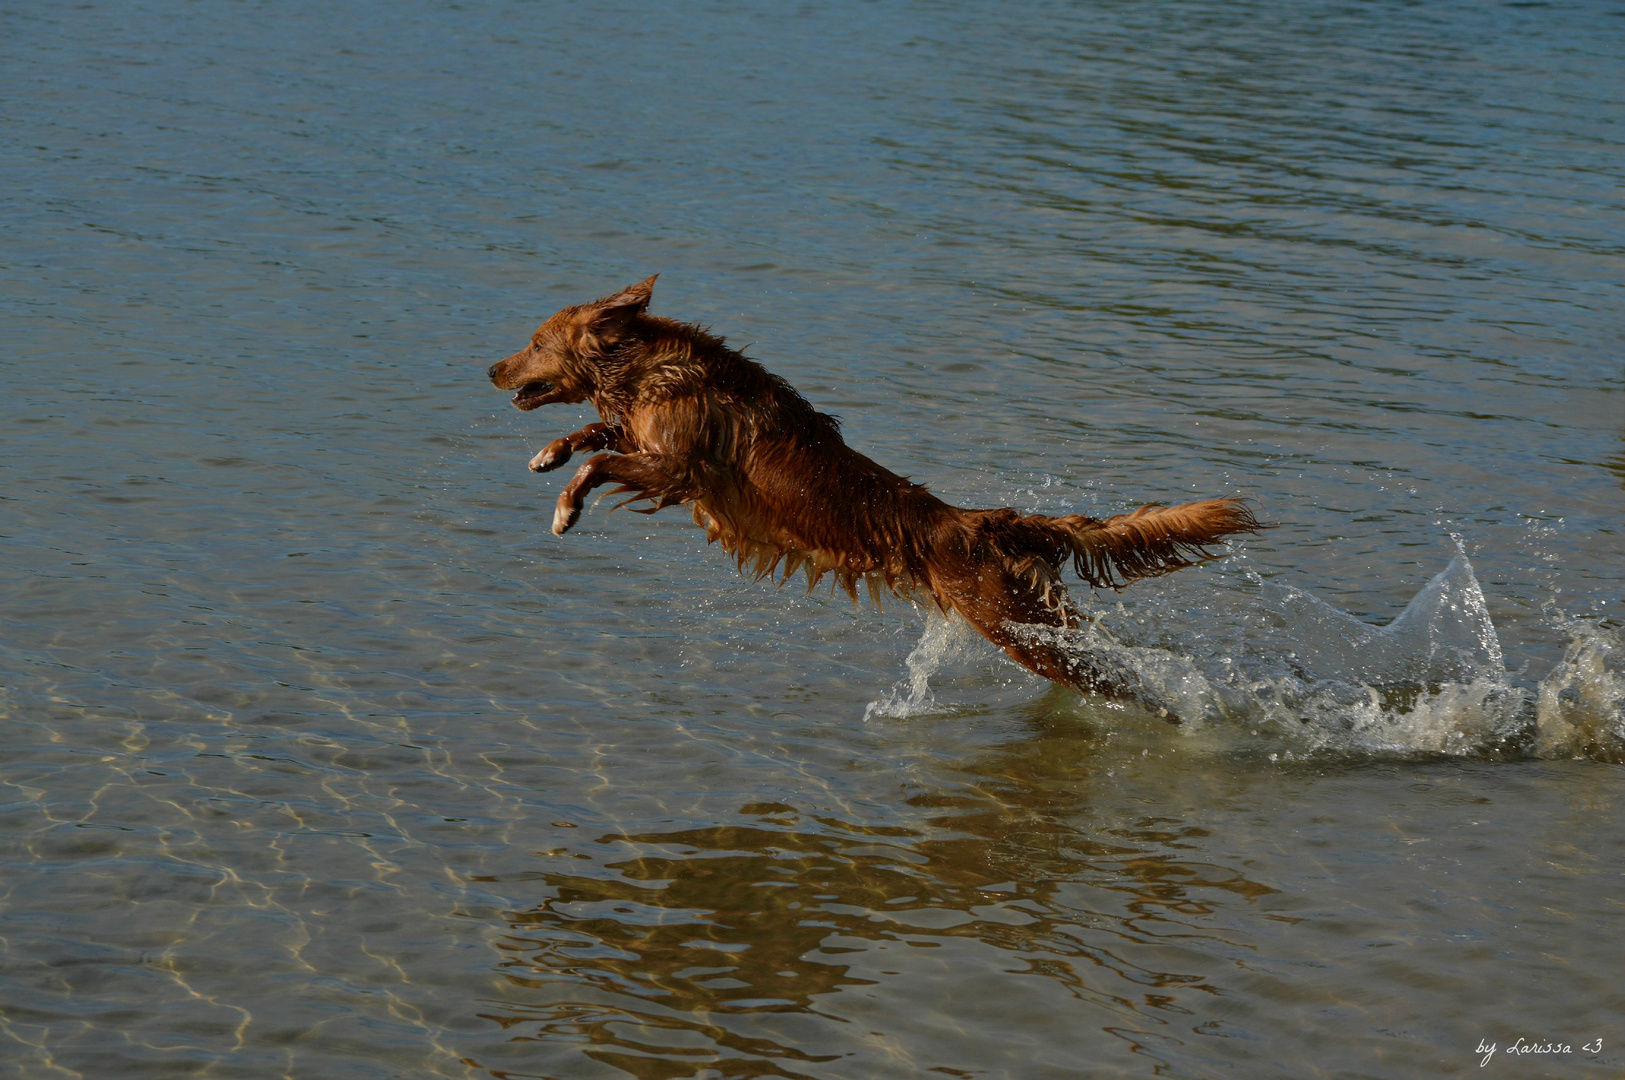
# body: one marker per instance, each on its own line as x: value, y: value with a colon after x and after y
x: 530, y: 392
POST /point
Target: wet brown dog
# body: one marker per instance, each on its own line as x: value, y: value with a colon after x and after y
x: 688, y: 420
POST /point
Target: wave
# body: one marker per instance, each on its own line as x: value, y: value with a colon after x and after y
x: 1290, y: 674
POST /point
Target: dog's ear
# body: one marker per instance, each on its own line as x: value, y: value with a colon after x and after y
x: 611, y: 314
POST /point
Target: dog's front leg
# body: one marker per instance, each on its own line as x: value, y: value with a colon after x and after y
x: 591, y: 437
x: 646, y: 474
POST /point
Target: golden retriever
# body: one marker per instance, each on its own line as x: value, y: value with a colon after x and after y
x: 688, y: 420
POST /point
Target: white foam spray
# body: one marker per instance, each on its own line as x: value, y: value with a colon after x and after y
x: 1308, y: 678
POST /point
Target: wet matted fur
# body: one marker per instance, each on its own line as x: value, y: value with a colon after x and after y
x: 688, y: 420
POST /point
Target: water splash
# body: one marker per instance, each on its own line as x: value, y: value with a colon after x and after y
x: 1444, y: 633
x: 1291, y: 672
x: 947, y: 640
x: 1580, y: 706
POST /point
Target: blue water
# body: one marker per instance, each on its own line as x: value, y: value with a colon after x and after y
x: 324, y: 758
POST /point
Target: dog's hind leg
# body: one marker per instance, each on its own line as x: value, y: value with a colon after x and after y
x: 591, y: 437
x: 646, y: 474
x: 1014, y: 611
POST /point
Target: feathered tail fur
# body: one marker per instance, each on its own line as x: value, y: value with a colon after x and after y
x: 1151, y: 541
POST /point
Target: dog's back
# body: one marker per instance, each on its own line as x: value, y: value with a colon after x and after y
x: 771, y: 478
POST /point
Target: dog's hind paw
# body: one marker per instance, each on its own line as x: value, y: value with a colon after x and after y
x: 553, y: 455
x: 565, y: 515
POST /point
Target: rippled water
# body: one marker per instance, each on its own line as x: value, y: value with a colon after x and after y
x: 323, y: 758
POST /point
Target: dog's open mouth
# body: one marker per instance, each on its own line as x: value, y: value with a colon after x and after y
x: 533, y: 394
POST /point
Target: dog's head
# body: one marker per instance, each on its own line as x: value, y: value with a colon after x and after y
x: 559, y: 364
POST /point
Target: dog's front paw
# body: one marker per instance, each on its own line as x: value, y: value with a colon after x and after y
x: 553, y: 455
x: 564, y: 516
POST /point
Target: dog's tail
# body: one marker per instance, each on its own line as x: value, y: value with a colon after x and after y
x: 1148, y: 542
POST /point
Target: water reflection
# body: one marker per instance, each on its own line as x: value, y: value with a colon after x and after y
x: 739, y: 946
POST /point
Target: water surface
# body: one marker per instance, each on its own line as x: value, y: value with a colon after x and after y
x: 324, y: 758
